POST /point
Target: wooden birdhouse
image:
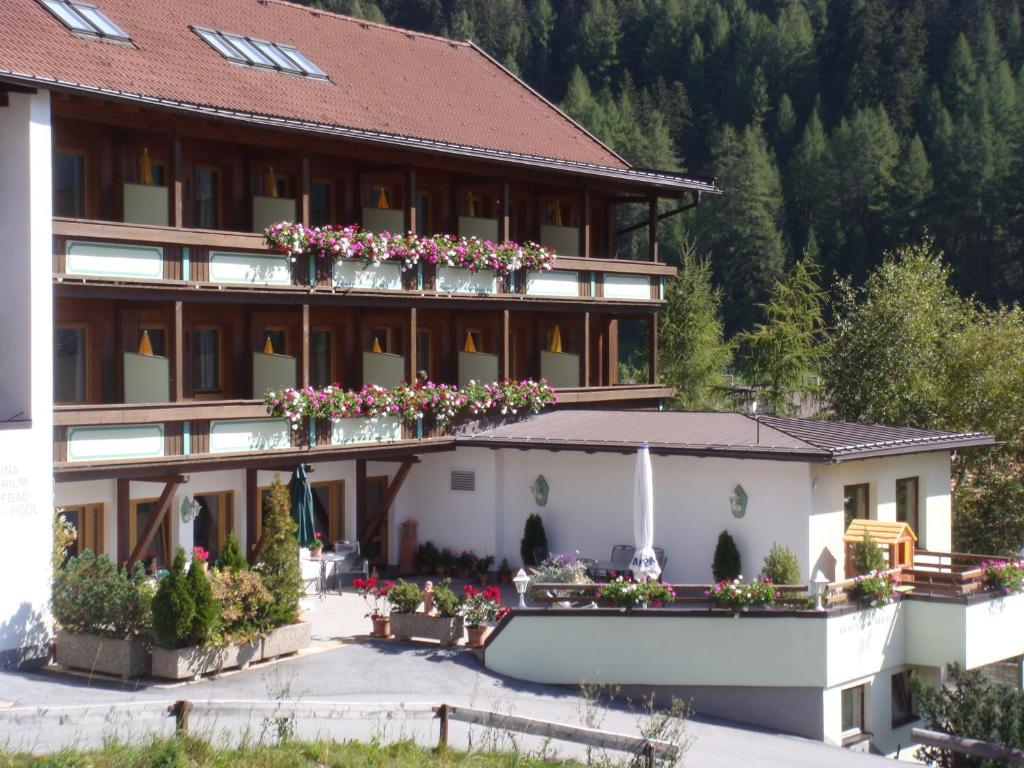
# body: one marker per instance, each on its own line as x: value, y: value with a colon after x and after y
x: 898, y: 538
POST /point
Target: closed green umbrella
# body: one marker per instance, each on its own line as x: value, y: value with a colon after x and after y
x: 302, y: 506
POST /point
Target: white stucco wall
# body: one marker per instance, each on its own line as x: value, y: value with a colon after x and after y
x: 932, y: 471
x: 26, y: 377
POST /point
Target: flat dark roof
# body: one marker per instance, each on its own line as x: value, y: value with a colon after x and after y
x: 718, y: 434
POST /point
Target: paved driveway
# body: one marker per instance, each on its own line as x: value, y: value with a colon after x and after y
x: 387, y: 689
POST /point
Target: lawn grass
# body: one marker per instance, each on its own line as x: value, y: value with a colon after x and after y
x: 186, y: 752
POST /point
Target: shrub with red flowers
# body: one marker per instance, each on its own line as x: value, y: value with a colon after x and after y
x: 376, y: 596
x: 480, y: 607
x: 352, y: 242
x: 1006, y: 576
x: 734, y: 594
x: 636, y: 594
x: 444, y: 402
x: 200, y: 554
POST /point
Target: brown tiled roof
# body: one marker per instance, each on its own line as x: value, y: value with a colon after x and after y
x: 725, y: 434
x: 383, y: 80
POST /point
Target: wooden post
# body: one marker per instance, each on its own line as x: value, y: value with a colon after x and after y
x: 442, y: 740
x: 307, y: 191
x: 178, y: 204
x: 612, y: 354
x: 506, y: 210
x: 586, y: 349
x: 410, y: 203
x: 506, y: 362
x: 585, y: 223
x: 648, y: 755
x: 613, y: 249
x: 361, y: 511
x: 251, y: 511
x: 652, y: 227
x: 123, y: 503
x: 181, y: 709
x: 179, y: 351
x: 413, y: 332
x: 652, y: 351
x: 305, y: 345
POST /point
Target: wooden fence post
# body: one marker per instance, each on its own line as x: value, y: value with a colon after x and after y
x: 442, y: 741
x: 181, y: 709
x: 648, y: 755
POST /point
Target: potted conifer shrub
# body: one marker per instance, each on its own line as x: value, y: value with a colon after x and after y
x: 103, y: 616
x: 279, y: 569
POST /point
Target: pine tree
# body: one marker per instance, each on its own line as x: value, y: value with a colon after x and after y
x: 692, y: 349
x: 173, y: 607
x: 206, y: 615
x: 279, y: 562
x: 231, y: 557
x: 726, y: 563
x: 911, y: 192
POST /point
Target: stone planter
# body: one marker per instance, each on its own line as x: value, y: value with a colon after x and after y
x: 447, y: 630
x: 125, y: 657
x: 186, y: 663
x: 291, y: 638
x: 477, y: 636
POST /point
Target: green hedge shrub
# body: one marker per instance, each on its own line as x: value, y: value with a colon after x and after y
x: 279, y: 563
x: 231, y: 557
x: 174, y: 610
x: 90, y: 595
x: 781, y: 565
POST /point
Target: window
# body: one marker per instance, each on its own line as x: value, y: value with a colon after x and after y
x: 382, y: 196
x: 903, y: 705
x: 260, y: 53
x: 853, y: 711
x: 69, y: 371
x: 321, y: 203
x: 214, y: 521
x: 278, y: 338
x: 329, y: 510
x: 207, y: 197
x: 69, y: 185
x: 855, y: 502
x: 424, y: 224
x: 476, y: 336
x: 907, y: 502
x: 206, y: 360
x: 159, y: 549
x: 84, y: 18
x: 321, y: 369
x: 423, y: 348
x: 88, y: 522
x: 382, y: 336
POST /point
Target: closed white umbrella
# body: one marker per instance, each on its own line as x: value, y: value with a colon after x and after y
x: 645, y: 563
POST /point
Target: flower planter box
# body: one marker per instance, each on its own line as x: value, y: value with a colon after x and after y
x: 445, y: 629
x: 124, y: 657
x: 463, y: 280
x: 291, y: 638
x: 186, y: 663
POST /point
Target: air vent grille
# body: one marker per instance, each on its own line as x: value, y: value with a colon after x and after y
x: 463, y: 480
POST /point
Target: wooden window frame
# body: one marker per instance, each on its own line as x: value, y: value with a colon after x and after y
x: 89, y: 388
x: 219, y: 171
x: 226, y: 501
x: 915, y: 514
x: 477, y: 332
x: 388, y: 337
x: 209, y: 394
x: 167, y: 525
x: 87, y: 206
x: 168, y: 336
x: 867, y: 502
x: 91, y: 525
x: 336, y: 513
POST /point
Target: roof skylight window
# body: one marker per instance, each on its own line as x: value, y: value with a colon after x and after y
x: 85, y: 19
x: 258, y: 53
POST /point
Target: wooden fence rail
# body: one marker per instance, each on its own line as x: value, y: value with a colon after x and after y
x: 965, y: 746
x: 648, y: 749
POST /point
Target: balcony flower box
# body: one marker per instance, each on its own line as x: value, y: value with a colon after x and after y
x: 352, y: 273
x: 123, y: 657
x: 564, y: 240
x: 461, y: 280
x: 560, y: 369
x: 267, y: 211
x: 285, y: 640
x: 447, y: 630
x: 146, y: 204
x: 195, y: 661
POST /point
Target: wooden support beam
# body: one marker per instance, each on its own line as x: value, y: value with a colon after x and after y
x: 586, y: 349
x: 652, y: 228
x: 162, y: 505
x: 305, y: 345
x: 585, y: 223
x: 123, y: 503
x: 652, y: 351
x: 179, y: 351
x: 613, y: 241
x: 410, y: 201
x: 251, y: 512
x: 414, y: 362
x: 381, y: 513
x: 612, y: 354
x: 506, y: 346
x: 307, y: 191
x: 506, y: 210
x: 178, y: 192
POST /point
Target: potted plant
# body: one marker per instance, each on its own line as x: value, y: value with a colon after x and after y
x: 317, y: 547
x: 735, y: 595
x: 483, y: 568
x: 201, y: 557
x: 445, y: 562
x: 376, y: 596
x: 103, y: 616
x: 636, y: 594
x: 1006, y: 576
x: 465, y: 564
x: 279, y: 569
x: 877, y: 588
x: 479, y: 608
x: 427, y: 558
x: 505, y: 569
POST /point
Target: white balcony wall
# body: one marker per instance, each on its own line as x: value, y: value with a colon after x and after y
x: 555, y: 283
x: 94, y: 259
x: 349, y: 273
x: 632, y: 287
x: 458, y: 280
x: 250, y: 268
